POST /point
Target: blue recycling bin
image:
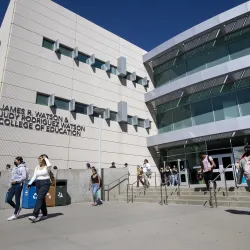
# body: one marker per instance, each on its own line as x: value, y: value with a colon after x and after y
x: 29, y: 196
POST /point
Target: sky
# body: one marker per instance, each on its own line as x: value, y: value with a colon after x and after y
x: 146, y: 24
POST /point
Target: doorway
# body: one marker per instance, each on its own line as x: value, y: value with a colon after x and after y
x: 221, y: 162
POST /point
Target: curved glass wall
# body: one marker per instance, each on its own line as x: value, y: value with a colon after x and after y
x: 218, y: 51
x: 222, y: 102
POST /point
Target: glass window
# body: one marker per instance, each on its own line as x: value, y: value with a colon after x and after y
x: 225, y: 106
x: 182, y: 117
x: 138, y: 79
x: 243, y: 83
x: 82, y: 57
x: 177, y: 71
x: 42, y: 99
x: 65, y: 50
x: 217, y: 56
x: 113, y: 70
x: 129, y: 120
x: 140, y: 123
x: 196, y: 63
x: 98, y: 64
x: 244, y: 101
x: 239, y: 48
x: 202, y: 112
x: 113, y: 116
x: 165, y: 121
x: 161, y: 78
x: 81, y: 108
x: 61, y: 104
x: 48, y: 44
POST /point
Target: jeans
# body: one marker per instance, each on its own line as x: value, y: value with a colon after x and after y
x: 42, y: 188
x: 15, y: 190
x: 145, y: 177
x: 208, y: 176
x: 174, y: 179
x: 95, y: 188
x: 139, y: 179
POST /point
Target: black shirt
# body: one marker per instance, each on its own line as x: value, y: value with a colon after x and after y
x: 94, y: 179
x: 113, y: 167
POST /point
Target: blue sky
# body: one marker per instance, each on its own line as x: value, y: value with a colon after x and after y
x: 144, y: 23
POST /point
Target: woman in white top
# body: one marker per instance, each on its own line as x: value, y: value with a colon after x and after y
x: 42, y: 175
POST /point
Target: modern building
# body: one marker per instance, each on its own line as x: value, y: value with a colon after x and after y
x: 59, y: 73
x: 201, y: 100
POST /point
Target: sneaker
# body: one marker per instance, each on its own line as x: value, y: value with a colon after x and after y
x: 12, y: 217
x: 33, y: 219
x: 42, y: 217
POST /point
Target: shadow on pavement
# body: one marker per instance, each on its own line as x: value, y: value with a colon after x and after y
x: 50, y: 216
x: 233, y: 211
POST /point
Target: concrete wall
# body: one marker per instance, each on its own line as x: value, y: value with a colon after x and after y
x: 78, y: 184
x: 31, y: 68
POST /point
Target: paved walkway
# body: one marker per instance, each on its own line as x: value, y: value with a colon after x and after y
x: 128, y: 226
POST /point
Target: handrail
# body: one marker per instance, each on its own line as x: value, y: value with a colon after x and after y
x: 131, y: 184
x: 119, y: 179
x: 116, y: 180
x: 155, y: 175
x: 214, y: 185
x: 169, y: 181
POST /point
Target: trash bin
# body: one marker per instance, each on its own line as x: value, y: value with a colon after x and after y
x: 61, y: 192
x: 29, y: 196
x: 50, y: 197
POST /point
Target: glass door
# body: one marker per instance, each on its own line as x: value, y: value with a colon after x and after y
x: 221, y: 162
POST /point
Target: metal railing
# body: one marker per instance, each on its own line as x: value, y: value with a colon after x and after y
x: 214, y: 185
x: 119, y: 181
x: 169, y: 182
x: 132, y: 187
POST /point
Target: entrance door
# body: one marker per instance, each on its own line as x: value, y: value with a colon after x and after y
x: 221, y: 162
x: 183, y: 171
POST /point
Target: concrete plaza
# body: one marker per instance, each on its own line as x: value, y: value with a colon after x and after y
x: 128, y: 226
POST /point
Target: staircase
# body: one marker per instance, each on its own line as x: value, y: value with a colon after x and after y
x: 237, y: 197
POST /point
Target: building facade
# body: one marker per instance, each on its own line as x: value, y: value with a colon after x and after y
x: 201, y: 100
x: 59, y: 73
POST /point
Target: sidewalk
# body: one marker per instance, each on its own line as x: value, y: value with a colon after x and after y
x: 120, y: 226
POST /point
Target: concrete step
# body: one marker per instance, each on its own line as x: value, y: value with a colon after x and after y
x: 235, y: 204
x: 191, y: 193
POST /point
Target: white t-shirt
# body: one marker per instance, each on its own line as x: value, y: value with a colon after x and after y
x: 41, y: 173
x: 206, y: 164
x: 146, y: 167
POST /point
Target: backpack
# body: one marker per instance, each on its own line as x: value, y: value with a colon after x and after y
x: 247, y: 168
x: 210, y: 162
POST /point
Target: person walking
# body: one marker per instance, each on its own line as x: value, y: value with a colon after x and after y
x: 174, y: 176
x: 95, y: 183
x: 207, y: 165
x: 168, y: 174
x: 245, y: 165
x: 18, y: 177
x: 44, y: 178
x: 146, y: 168
x: 139, y: 175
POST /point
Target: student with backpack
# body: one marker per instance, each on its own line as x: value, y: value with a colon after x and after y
x: 207, y: 165
x: 45, y: 179
x: 19, y: 176
x: 245, y: 164
x: 95, y: 183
